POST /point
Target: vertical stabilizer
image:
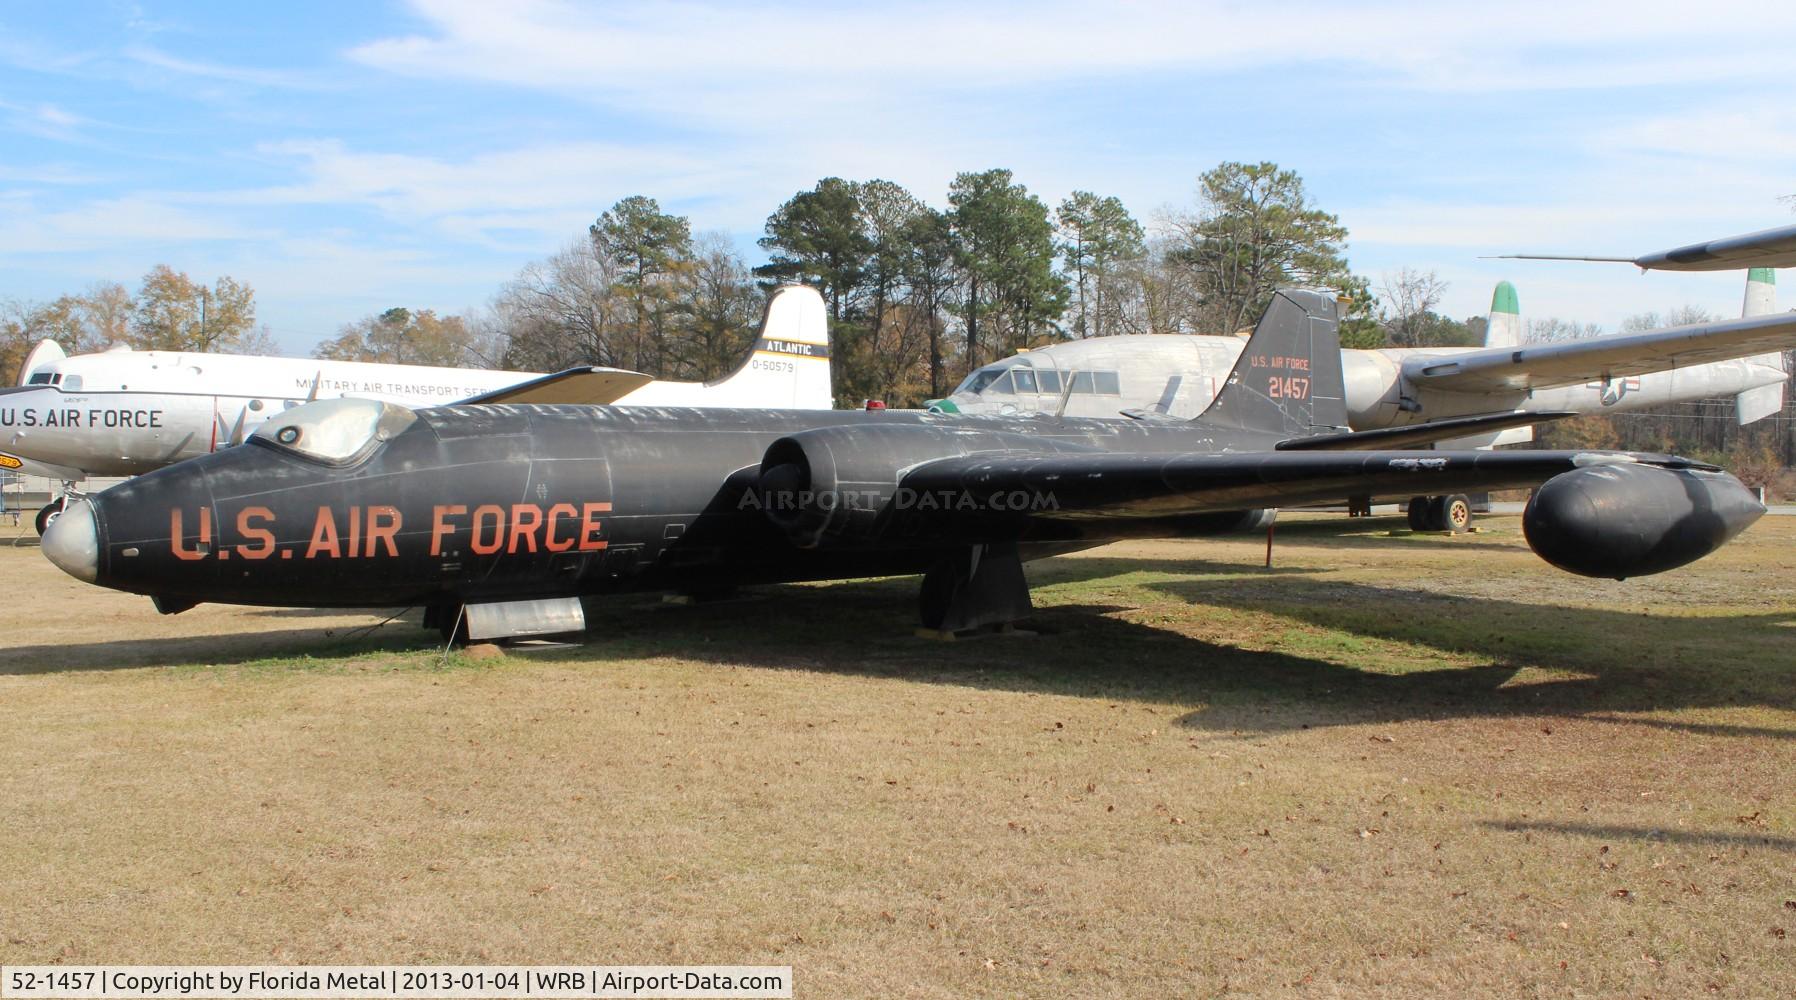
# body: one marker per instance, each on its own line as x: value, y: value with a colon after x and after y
x: 1287, y: 381
x: 1761, y: 293
x: 1761, y: 300
x: 46, y: 352
x: 1504, y: 326
x: 787, y: 368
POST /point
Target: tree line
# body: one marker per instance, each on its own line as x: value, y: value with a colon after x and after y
x: 917, y: 296
x: 168, y: 312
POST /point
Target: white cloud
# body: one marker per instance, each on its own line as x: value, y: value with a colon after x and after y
x: 725, y: 63
x: 242, y: 75
x: 111, y: 223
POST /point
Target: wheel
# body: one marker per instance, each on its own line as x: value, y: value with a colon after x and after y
x: 50, y: 512
x: 450, y: 621
x: 1418, y: 513
x: 1456, y: 513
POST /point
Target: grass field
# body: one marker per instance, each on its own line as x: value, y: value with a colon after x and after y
x: 1391, y: 765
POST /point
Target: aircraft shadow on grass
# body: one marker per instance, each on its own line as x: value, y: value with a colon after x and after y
x: 1610, y: 831
x: 1610, y: 663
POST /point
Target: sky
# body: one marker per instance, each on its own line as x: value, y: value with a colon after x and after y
x: 345, y: 158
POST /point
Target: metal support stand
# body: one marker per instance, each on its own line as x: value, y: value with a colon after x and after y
x: 974, y: 588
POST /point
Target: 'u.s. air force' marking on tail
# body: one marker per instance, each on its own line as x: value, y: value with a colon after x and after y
x: 1419, y: 464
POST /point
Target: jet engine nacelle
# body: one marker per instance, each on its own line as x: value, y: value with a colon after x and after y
x: 1632, y: 520
x: 1230, y: 522
x: 837, y: 485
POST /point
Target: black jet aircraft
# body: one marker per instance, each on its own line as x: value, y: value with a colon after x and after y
x: 499, y: 518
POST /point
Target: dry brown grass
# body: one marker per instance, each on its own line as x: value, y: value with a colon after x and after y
x: 1393, y: 765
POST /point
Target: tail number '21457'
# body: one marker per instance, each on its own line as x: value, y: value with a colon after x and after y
x: 1288, y: 387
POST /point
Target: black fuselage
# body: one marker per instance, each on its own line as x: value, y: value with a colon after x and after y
x: 483, y: 503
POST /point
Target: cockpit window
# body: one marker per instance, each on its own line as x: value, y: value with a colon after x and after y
x: 72, y: 383
x: 39, y: 378
x: 1024, y: 379
x: 337, y: 431
x: 976, y: 382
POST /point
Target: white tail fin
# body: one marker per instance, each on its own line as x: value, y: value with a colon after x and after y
x: 787, y: 368
x: 1761, y: 300
x: 1504, y: 326
x: 46, y: 352
x: 1761, y: 293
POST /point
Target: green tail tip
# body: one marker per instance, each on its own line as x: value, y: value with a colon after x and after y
x: 1504, y: 300
x: 1762, y: 275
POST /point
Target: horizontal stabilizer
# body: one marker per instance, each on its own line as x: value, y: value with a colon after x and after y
x: 1574, y: 362
x: 1385, y: 438
x: 590, y: 385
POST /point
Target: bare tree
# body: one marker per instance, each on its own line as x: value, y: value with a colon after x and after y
x: 1552, y: 328
x: 1409, y: 300
x: 1681, y: 316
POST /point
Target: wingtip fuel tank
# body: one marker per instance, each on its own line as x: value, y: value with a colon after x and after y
x: 1626, y: 520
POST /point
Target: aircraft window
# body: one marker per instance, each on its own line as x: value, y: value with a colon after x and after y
x: 1024, y: 378
x: 1108, y: 383
x: 1082, y: 382
x: 335, y: 430
x: 72, y: 382
x: 1049, y: 381
x: 1000, y: 385
x: 39, y: 378
x: 977, y: 381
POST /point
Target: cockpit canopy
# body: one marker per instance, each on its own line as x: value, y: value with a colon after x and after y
x: 69, y: 383
x: 1016, y: 377
x: 335, y: 431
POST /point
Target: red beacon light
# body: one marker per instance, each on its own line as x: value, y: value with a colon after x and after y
x: 876, y: 404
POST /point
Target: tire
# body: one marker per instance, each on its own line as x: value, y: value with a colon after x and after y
x: 1418, y: 513
x: 1456, y: 513
x: 50, y: 512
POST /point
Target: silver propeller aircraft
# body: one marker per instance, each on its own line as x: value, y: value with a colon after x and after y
x: 1157, y: 376
x: 123, y: 412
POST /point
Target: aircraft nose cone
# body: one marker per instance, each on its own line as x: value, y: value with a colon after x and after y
x: 72, y: 542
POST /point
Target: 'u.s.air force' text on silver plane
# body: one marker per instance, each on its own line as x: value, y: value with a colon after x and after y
x: 122, y: 413
x: 516, y: 512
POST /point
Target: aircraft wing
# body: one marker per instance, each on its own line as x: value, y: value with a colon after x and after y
x: 591, y: 385
x: 32, y: 467
x: 1574, y: 362
x: 1765, y: 248
x: 1411, y: 435
x: 1081, y: 486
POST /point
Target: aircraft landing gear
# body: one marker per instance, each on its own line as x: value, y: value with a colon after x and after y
x: 450, y: 622
x: 50, y: 512
x: 1452, y: 514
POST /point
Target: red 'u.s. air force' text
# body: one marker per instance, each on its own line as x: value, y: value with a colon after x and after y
x: 372, y: 532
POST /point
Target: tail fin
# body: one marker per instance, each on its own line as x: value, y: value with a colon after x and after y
x: 1761, y: 293
x: 1761, y: 300
x: 45, y: 352
x: 788, y: 367
x: 1504, y: 326
x: 1287, y: 381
